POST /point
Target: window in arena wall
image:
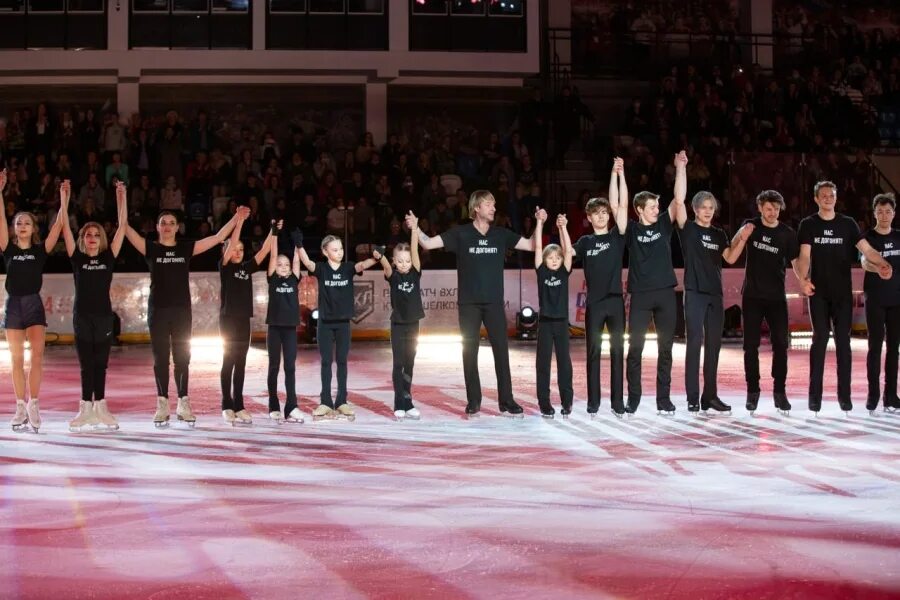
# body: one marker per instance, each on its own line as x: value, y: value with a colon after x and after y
x: 429, y: 7
x: 505, y: 8
x: 85, y: 6
x: 467, y: 8
x: 230, y: 6
x: 287, y: 6
x: 365, y: 7
x: 46, y: 6
x: 327, y: 7
x: 190, y: 6
x: 154, y: 6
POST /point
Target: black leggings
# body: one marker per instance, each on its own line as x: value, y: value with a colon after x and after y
x: 404, y: 337
x: 334, y: 344
x: 93, y: 339
x: 879, y: 319
x: 703, y: 319
x: 775, y: 312
x: 235, y: 332
x: 661, y: 307
x: 835, y: 315
x: 471, y: 316
x: 170, y: 331
x: 554, y: 334
x: 610, y: 313
x: 282, y: 340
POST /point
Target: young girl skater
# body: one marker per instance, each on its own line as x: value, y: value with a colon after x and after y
x: 93, y: 261
x: 169, y: 306
x: 406, y: 304
x: 235, y: 312
x: 335, y: 311
x: 24, y: 317
x: 281, y: 338
x: 553, y: 265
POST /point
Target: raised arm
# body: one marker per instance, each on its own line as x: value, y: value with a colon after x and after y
x: 414, y: 247
x: 273, y: 256
x: 295, y: 264
x: 4, y: 229
x: 122, y: 207
x: 55, y: 230
x: 873, y: 257
x: 527, y: 244
x: 620, y: 212
x: 220, y: 236
x: 65, y: 193
x: 378, y: 253
x: 235, y: 239
x: 365, y: 264
x: 565, y: 241
x: 304, y: 258
x: 265, y: 248
x: 733, y: 252
x: 135, y: 239
x: 613, y: 187
x: 427, y: 242
x: 677, y: 209
x: 538, y: 242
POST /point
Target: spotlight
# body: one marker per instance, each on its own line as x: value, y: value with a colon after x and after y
x: 312, y: 325
x: 526, y: 323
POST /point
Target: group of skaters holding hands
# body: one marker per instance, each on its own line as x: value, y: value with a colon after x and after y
x: 820, y: 255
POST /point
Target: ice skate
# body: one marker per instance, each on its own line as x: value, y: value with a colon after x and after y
x: 593, y: 415
x: 161, y: 418
x: 632, y: 406
x: 473, y: 411
x: 399, y: 414
x: 295, y: 416
x: 183, y: 411
x: 414, y: 414
x: 512, y: 410
x: 846, y: 405
x: 345, y: 412
x: 34, y: 414
x: 103, y: 418
x: 693, y: 405
x: 243, y: 417
x: 275, y: 415
x: 782, y: 404
x: 752, y: 402
x: 85, y: 417
x: 323, y: 411
x: 618, y: 409
x: 664, y: 407
x: 548, y: 412
x: 815, y: 405
x: 20, y: 420
x: 565, y: 412
x: 717, y: 406
x: 228, y: 417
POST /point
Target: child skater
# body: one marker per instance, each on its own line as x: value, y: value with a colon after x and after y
x: 281, y: 338
x: 406, y: 304
x: 24, y: 317
x: 335, y: 279
x: 553, y: 265
x: 93, y: 261
x: 235, y: 312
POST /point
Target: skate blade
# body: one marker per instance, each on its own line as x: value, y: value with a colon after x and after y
x: 548, y: 417
x: 784, y: 412
x: 161, y: 424
x: 239, y: 422
x: 566, y: 417
x: 472, y: 416
x: 665, y: 413
x: 512, y: 416
x: 293, y: 421
x: 345, y: 418
x: 409, y: 418
x: 713, y: 413
x: 616, y: 415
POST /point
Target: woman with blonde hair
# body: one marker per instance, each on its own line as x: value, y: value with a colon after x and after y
x: 93, y: 261
x: 23, y: 316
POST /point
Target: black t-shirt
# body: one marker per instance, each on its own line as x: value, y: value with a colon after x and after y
x: 601, y: 256
x: 553, y: 292
x: 770, y: 250
x: 880, y: 292
x: 833, y: 253
x: 284, y: 303
x: 170, y: 274
x: 702, y: 248
x: 479, y: 261
x: 24, y: 269
x: 93, y: 278
x: 335, y: 291
x: 237, y: 288
x: 650, y: 255
x: 406, y: 296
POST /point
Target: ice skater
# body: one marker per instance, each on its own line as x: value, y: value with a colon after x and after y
x: 828, y: 249
x: 601, y: 255
x: 704, y: 246
x: 883, y: 306
x: 480, y: 250
x: 405, y: 281
x: 335, y: 303
x: 93, y: 260
x: 651, y: 284
x: 235, y: 312
x: 553, y: 265
x: 282, y: 319
x: 169, y: 305
x: 23, y: 316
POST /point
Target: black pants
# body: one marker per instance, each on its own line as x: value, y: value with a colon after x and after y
x: 703, y: 319
x: 835, y: 315
x: 404, y: 337
x: 775, y: 312
x: 661, y: 307
x: 471, y: 316
x: 281, y: 340
x: 553, y: 334
x: 170, y: 332
x: 878, y: 320
x: 610, y: 313
x: 235, y: 332
x: 93, y: 339
x: 334, y: 344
